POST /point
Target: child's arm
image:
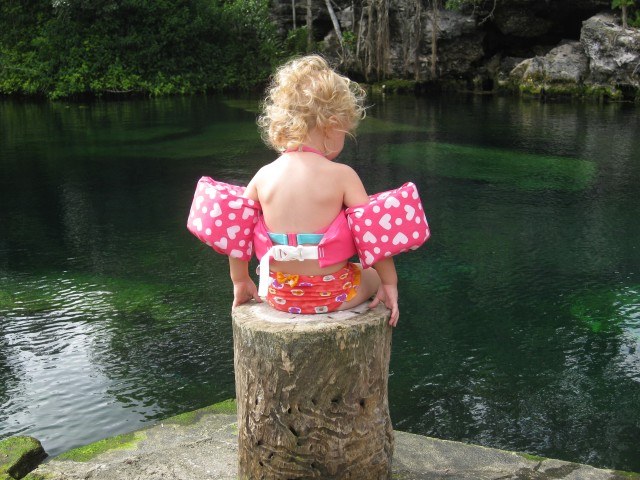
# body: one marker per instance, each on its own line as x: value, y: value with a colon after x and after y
x: 388, y: 290
x: 355, y: 195
x: 244, y: 289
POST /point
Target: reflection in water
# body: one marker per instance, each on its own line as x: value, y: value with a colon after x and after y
x: 520, y: 317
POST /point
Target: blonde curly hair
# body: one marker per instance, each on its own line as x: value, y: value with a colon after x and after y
x: 305, y: 93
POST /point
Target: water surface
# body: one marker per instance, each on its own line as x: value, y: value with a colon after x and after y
x: 520, y: 319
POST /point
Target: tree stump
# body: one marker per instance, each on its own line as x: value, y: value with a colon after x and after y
x: 312, y: 394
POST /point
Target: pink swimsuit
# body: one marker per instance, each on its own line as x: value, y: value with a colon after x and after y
x: 390, y: 223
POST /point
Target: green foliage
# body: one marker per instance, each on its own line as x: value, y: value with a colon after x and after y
x: 622, y: 3
x: 349, y: 40
x: 633, y: 11
x: 72, y: 47
x: 296, y: 41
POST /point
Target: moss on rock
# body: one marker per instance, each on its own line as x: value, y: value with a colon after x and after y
x: 37, y: 476
x: 127, y: 441
x: 533, y: 458
x: 19, y: 455
x: 540, y: 88
x: 228, y: 407
x: 619, y: 474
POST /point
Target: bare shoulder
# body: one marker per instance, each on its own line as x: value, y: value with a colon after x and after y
x: 354, y: 191
x: 254, y: 185
x: 345, y: 173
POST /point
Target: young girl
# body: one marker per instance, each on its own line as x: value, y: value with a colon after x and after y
x: 308, y: 111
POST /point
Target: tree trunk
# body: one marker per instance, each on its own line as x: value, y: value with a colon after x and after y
x: 382, y: 39
x: 334, y: 20
x: 312, y: 394
x: 624, y: 16
x: 309, y: 27
x: 293, y: 12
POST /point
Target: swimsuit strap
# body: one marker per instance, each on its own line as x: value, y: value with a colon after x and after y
x: 304, y: 148
x: 295, y: 239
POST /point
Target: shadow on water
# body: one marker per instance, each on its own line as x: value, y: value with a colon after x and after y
x: 519, y: 325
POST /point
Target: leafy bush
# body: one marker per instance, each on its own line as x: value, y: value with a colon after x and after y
x: 630, y: 6
x: 70, y: 47
x: 296, y: 41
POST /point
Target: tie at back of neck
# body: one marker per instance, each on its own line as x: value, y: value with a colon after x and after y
x: 304, y: 148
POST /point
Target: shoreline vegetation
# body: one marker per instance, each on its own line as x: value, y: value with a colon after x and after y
x: 77, y: 48
x: 114, y: 49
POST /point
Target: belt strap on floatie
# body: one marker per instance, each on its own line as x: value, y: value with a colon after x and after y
x: 283, y: 253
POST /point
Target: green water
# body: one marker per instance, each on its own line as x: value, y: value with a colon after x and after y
x: 520, y: 319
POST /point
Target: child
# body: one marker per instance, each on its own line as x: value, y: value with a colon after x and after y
x: 308, y: 112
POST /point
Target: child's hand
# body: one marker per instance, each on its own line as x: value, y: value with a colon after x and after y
x: 243, y: 291
x: 388, y: 294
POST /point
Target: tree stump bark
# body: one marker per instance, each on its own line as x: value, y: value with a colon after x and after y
x: 312, y: 394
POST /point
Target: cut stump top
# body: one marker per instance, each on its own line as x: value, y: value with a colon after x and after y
x: 260, y: 316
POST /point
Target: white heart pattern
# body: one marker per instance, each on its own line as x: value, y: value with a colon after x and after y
x: 395, y: 220
x: 236, y: 204
x: 231, y: 231
x: 400, y: 238
x: 216, y: 211
x: 385, y: 221
x: 410, y: 211
x: 368, y: 258
x: 247, y: 212
x: 222, y: 243
x: 222, y: 218
x: 369, y: 238
x: 391, y: 202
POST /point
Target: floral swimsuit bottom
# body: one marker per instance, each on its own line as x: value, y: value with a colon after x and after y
x: 309, y: 294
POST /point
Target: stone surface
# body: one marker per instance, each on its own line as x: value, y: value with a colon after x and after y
x: 614, y: 53
x: 566, y: 64
x: 19, y: 455
x: 606, y: 61
x: 207, y: 450
x: 521, y: 22
x: 469, y: 40
x: 312, y: 393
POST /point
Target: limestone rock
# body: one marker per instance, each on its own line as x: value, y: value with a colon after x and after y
x: 521, y: 22
x: 480, y: 42
x: 614, y: 53
x: 565, y: 64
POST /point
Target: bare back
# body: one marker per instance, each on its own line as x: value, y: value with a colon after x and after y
x: 303, y: 192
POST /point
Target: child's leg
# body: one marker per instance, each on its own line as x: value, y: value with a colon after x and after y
x: 369, y: 283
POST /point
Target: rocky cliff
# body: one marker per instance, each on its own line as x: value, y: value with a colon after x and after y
x: 568, y: 47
